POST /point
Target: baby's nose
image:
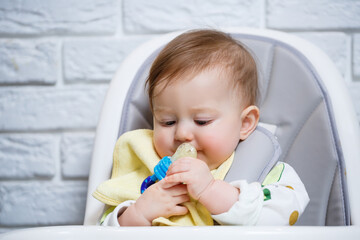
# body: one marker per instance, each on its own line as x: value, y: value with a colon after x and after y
x: 183, y: 133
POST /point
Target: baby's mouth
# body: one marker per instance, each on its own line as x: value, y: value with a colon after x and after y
x: 184, y: 150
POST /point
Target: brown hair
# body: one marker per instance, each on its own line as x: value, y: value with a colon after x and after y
x: 199, y: 50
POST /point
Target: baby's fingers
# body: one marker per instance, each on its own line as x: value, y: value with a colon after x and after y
x: 177, y: 178
x: 182, y: 198
x: 168, y: 185
x: 178, y: 190
x: 179, y: 210
x: 181, y: 165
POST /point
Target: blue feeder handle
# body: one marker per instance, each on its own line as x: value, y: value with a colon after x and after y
x: 184, y: 150
x: 159, y: 173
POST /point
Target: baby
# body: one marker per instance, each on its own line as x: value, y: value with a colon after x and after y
x: 202, y: 90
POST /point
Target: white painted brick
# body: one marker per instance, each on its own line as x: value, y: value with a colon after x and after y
x: 354, y: 89
x: 27, y: 156
x: 96, y: 59
x: 163, y: 15
x: 76, y: 150
x: 53, y: 16
x: 50, y: 108
x: 315, y: 14
x: 334, y: 44
x: 28, y: 61
x: 356, y: 59
x: 5, y: 230
x: 8, y: 229
x: 42, y: 203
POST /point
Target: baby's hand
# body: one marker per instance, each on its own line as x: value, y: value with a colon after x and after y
x: 162, y: 199
x: 192, y: 172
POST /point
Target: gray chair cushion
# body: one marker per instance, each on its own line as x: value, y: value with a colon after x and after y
x: 252, y: 164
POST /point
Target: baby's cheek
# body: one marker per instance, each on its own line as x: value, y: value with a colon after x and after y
x: 161, y: 144
x: 220, y: 146
x: 212, y: 143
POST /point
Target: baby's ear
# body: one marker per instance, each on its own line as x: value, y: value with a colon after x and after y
x: 250, y: 119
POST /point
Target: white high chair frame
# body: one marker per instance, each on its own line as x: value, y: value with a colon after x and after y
x: 108, y: 127
x: 107, y: 134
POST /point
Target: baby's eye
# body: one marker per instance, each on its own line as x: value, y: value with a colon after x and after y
x: 202, y: 122
x: 168, y: 123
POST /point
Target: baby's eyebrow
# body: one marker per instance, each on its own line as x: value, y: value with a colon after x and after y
x: 204, y: 109
x: 162, y: 110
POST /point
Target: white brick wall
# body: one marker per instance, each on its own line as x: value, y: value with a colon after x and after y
x: 313, y: 15
x: 53, y: 17
x: 356, y: 63
x: 94, y: 59
x: 27, y: 61
x: 56, y: 60
x: 25, y: 156
x: 162, y: 16
x: 76, y: 149
x: 50, y: 108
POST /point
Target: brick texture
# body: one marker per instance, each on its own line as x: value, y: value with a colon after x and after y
x: 38, y: 203
x: 28, y: 61
x: 20, y: 17
x: 96, y: 60
x: 76, y: 150
x: 356, y: 61
x: 163, y: 16
x: 28, y: 156
x: 354, y: 89
x: 50, y: 108
x: 316, y: 14
x: 334, y: 44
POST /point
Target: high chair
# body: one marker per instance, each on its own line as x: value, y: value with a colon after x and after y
x: 303, y: 101
x: 302, y: 97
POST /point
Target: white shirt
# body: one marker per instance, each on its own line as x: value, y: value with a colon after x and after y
x: 280, y: 202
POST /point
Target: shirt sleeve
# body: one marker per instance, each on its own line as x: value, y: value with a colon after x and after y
x: 110, y: 218
x: 279, y: 200
x: 247, y: 209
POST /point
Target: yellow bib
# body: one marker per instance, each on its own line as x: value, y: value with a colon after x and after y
x: 134, y: 159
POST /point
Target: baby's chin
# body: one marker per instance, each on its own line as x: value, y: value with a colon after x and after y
x: 212, y: 163
x: 203, y: 158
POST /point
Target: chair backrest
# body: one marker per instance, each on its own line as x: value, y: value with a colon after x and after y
x: 301, y: 94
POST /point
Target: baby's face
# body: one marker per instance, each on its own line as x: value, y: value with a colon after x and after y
x: 202, y: 110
